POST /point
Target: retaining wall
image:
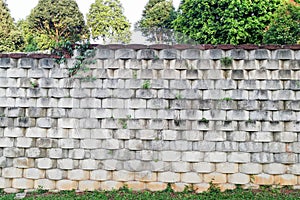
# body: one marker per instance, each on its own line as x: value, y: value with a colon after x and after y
x: 146, y: 116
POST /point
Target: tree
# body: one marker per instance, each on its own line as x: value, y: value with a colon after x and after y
x: 225, y: 21
x: 57, y: 20
x: 107, y: 21
x: 156, y: 21
x: 10, y: 37
x: 285, y: 27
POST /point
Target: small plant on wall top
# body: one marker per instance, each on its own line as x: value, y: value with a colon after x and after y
x: 65, y: 49
x: 226, y: 61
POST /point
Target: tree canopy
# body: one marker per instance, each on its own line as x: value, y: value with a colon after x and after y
x: 285, y: 26
x: 57, y: 20
x: 225, y: 21
x: 106, y: 21
x: 10, y: 37
x: 156, y: 21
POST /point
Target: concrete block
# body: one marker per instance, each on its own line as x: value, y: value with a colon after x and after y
x: 227, y: 168
x: 22, y: 183
x: 262, y: 157
x: 251, y: 168
x: 33, y: 173
x: 262, y: 137
x: 215, y: 178
x: 44, y: 163
x: 12, y: 172
x: 65, y: 164
x: 239, y: 157
x: 191, y: 177
x: 156, y: 186
x: 274, y: 168
x: 170, y: 155
x: 88, y: 185
x: 66, y: 185
x: 123, y: 175
x: 215, y: 157
x: 100, y: 175
x: 23, y: 162
x: 286, y: 179
x: 168, y: 177
x: 78, y: 175
x: 238, y: 178
x: 111, y: 185
x: 45, y: 184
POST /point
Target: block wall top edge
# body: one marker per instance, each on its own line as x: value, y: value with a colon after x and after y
x: 247, y: 47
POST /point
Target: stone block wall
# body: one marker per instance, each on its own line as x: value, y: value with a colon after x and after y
x: 147, y: 116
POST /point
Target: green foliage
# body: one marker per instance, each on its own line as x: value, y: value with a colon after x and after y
x: 107, y: 21
x: 146, y: 84
x: 226, y: 61
x: 156, y: 21
x: 53, y: 21
x: 10, y: 37
x: 225, y: 21
x: 285, y: 27
x: 214, y: 193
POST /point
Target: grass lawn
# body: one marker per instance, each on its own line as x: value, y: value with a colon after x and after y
x: 168, y: 194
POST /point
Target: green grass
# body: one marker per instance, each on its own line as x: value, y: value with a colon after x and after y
x: 125, y: 193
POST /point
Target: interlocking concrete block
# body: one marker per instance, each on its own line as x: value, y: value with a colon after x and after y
x: 45, y: 143
x: 146, y: 134
x: 89, y: 123
x: 238, y: 178
x: 286, y: 179
x: 192, y: 135
x: 274, y: 168
x: 45, y: 184
x: 251, y: 168
x: 35, y: 153
x: 88, y: 185
x: 170, y: 155
x: 283, y: 54
x: 44, y: 163
x: 227, y: 168
x: 262, y: 157
x: 23, y: 142
x: 123, y: 175
x: 263, y: 179
x: 101, y: 133
x: 262, y: 137
x: 136, y: 165
x: 260, y: 54
x: 272, y: 126
x: 23, y: 162
x: 66, y: 185
x: 16, y: 73
x: 215, y: 177
x: 33, y: 173
x: 180, y: 167
x: 13, y: 132
x: 275, y: 147
x: 13, y: 152
x: 55, y: 174
x: 55, y: 153
x: 159, y: 166
x: 68, y: 143
x: 68, y: 123
x: 286, y: 158
x: 65, y: 164
x: 145, y: 155
x: 227, y: 146
x: 135, y: 144
x: 12, y: 172
x: 145, y: 176
x: 156, y: 186
x: 192, y: 156
x: 5, y: 183
x: 6, y: 142
x: 215, y: 136
x: 68, y: 103
x: 191, y: 177
x: 215, y: 157
x: 286, y: 137
x: 239, y: 136
x: 168, y: 177
x: 285, y: 115
x: 204, y: 146
x: 295, y: 169
x: 112, y: 165
x: 88, y: 164
x: 100, y: 175
x: 125, y: 54
x: 111, y: 185
x: 239, y: 157
x: 78, y: 174
x: 146, y: 54
x: 250, y: 147
x: 22, y: 183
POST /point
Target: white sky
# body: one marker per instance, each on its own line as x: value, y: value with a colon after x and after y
x: 132, y: 8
